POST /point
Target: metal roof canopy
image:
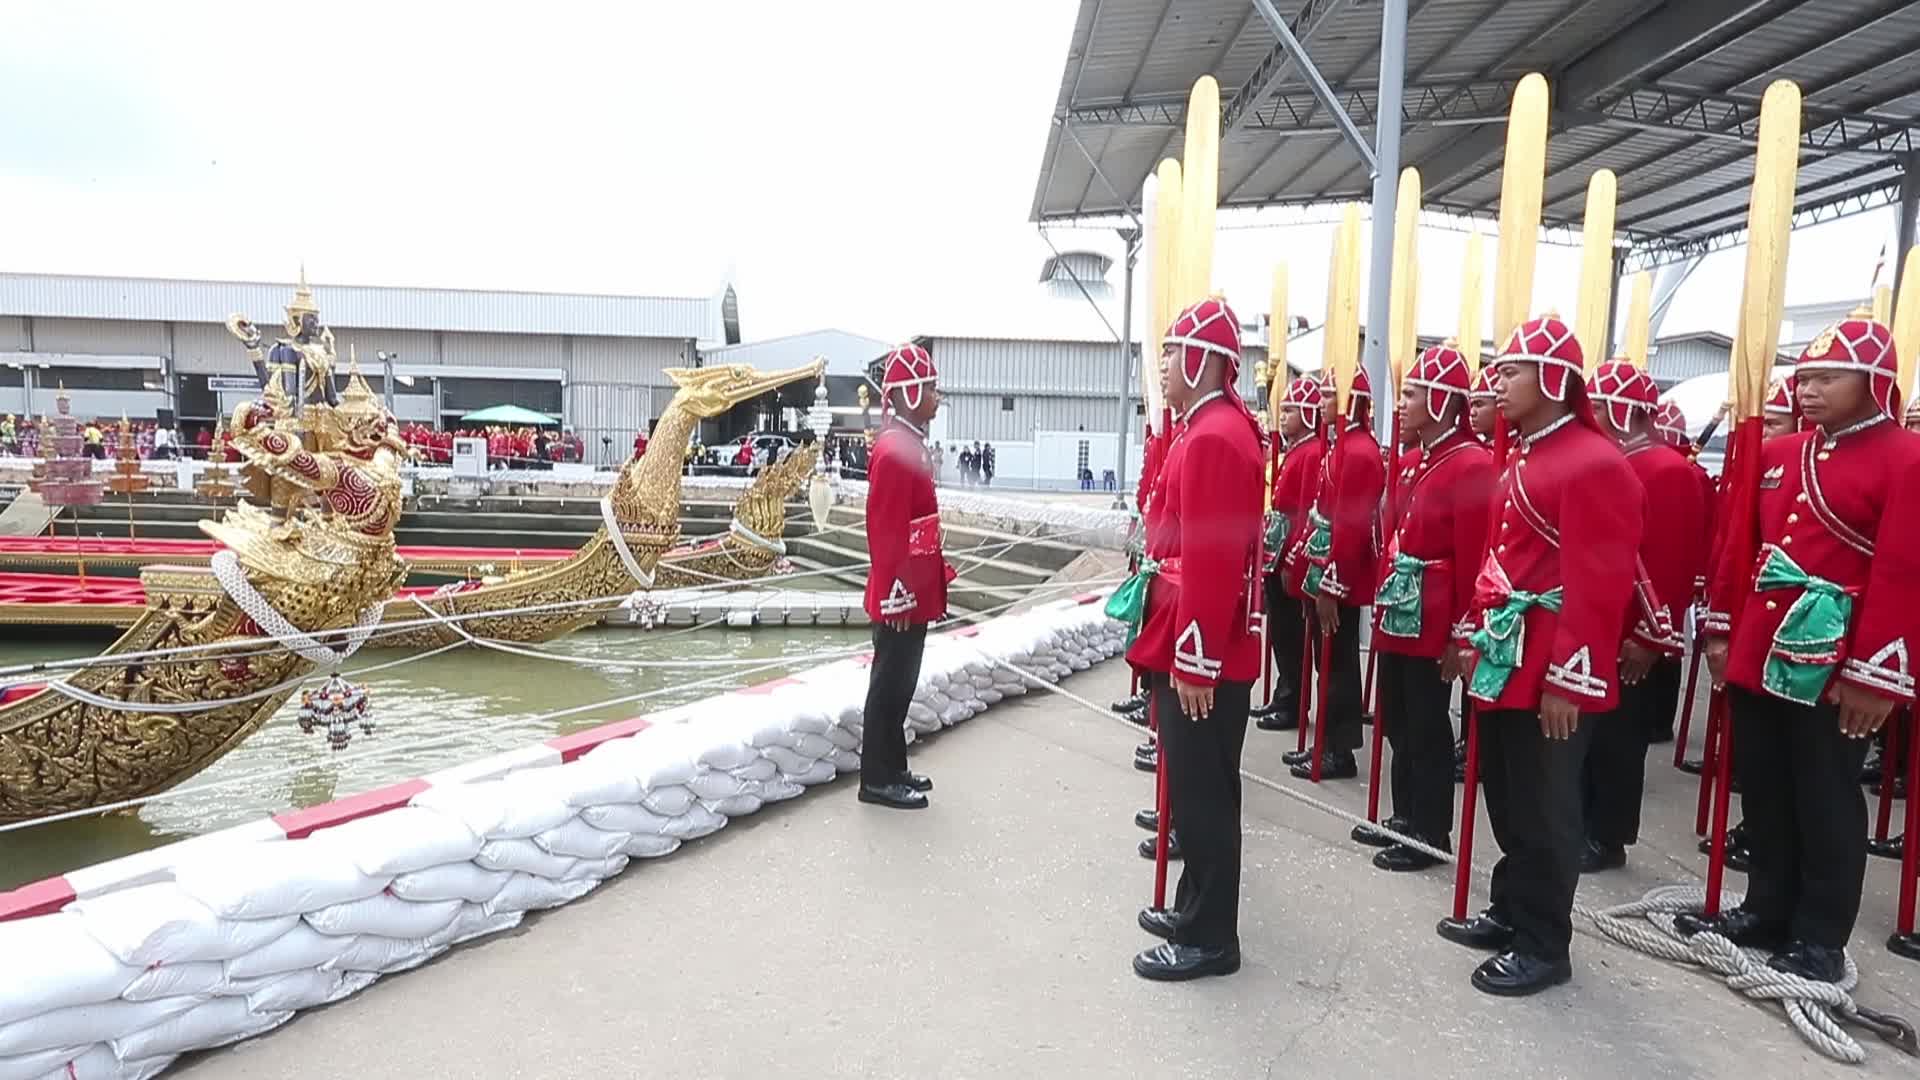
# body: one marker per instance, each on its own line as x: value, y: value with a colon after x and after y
x: 1664, y: 92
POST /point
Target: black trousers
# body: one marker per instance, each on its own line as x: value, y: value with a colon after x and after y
x: 1343, y: 675
x: 1202, y: 759
x: 1532, y: 786
x: 1287, y: 641
x: 1665, y: 683
x: 890, y: 683
x: 1419, y: 727
x: 1807, y: 824
x: 1615, y: 777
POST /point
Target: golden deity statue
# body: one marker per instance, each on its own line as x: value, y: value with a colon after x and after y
x: 308, y: 346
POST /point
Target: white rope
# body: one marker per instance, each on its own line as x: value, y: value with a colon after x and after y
x: 232, y: 579
x: 619, y: 538
x: 739, y: 529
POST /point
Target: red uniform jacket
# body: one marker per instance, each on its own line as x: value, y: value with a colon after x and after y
x: 1570, y: 517
x: 1204, y: 531
x: 1355, y: 478
x: 1710, y: 489
x: 1671, y: 548
x: 1846, y: 510
x: 908, y: 578
x: 1150, y: 458
x: 1442, y: 518
x: 1294, y: 491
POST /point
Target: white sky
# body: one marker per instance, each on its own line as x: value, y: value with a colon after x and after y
x: 854, y: 162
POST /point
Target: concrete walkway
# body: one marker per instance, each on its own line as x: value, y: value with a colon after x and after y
x: 990, y: 936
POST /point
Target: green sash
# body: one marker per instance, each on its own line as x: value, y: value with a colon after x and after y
x: 1807, y: 645
x: 1398, y: 600
x: 1499, y: 641
x: 1319, y: 547
x: 1129, y: 602
x: 1276, y: 540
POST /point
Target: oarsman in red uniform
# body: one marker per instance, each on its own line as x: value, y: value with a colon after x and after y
x: 1199, y: 642
x: 1481, y: 409
x: 1294, y: 487
x: 1672, y: 548
x: 907, y: 582
x: 1550, y: 604
x: 1344, y: 553
x: 1439, y: 533
x: 1778, y: 416
x: 1820, y: 656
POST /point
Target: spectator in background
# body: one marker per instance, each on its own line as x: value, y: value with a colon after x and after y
x: 966, y: 466
x: 986, y: 463
x: 639, y: 444
x: 96, y: 441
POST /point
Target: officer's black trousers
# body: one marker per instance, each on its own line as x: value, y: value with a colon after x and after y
x: 890, y: 683
x: 1532, y: 787
x: 1202, y: 759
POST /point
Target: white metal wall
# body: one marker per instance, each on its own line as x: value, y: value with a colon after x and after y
x: 13, y: 333
x: 626, y: 361
x: 1683, y: 358
x: 501, y: 350
x: 108, y: 336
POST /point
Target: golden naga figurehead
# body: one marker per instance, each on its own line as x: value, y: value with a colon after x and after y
x: 711, y: 391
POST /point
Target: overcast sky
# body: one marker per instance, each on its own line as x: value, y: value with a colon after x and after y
x: 853, y: 163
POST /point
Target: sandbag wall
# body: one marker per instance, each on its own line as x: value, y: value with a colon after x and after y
x: 239, y: 937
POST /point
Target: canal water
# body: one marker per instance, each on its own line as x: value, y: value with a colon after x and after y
x: 472, y: 702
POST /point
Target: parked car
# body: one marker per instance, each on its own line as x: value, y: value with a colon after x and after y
x: 723, y: 457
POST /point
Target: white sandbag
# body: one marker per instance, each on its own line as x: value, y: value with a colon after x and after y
x: 851, y: 714
x: 782, y: 788
x: 991, y: 696
x: 80, y: 1025
x: 580, y: 783
x: 735, y: 806
x: 756, y: 771
x: 813, y: 746
x: 296, y: 990
x: 387, y: 916
x: 821, y: 772
x: 625, y: 817
x: 811, y: 722
x: 160, y: 923
x: 650, y: 759
x: 935, y: 679
x: 726, y: 753
x: 474, y: 921
x: 467, y: 881
x: 299, y: 948
x: 51, y: 962
x: 273, y: 878
x: 579, y: 840
x: 492, y: 810
x: 668, y: 801
x: 523, y: 856
x: 97, y: 1062
x: 201, y: 977
x: 525, y: 892
x: 845, y: 761
x: 39, y: 1063
x: 920, y: 711
x: 711, y: 786
x: 597, y: 870
x: 843, y: 739
x: 403, y: 839
x: 927, y: 726
x: 962, y: 692
x: 759, y: 730
x: 982, y: 680
x: 212, y: 1023
x: 788, y: 762
x: 696, y: 821
x: 651, y: 846
x: 381, y: 954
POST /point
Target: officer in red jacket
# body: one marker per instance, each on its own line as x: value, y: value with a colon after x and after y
x: 1670, y: 552
x: 907, y: 582
x: 1344, y: 552
x: 1439, y: 533
x: 1199, y: 643
x: 1819, y: 654
x: 1550, y: 603
x: 1294, y: 487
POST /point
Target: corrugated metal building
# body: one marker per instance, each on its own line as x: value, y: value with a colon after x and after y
x: 142, y: 346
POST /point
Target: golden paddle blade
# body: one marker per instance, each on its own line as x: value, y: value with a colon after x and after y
x: 1639, y: 319
x: 1882, y: 304
x: 1402, y: 337
x: 1596, y: 268
x: 1200, y: 194
x: 1769, y: 223
x: 1277, y: 327
x: 1341, y: 358
x: 1906, y: 322
x: 1151, y: 330
x: 1472, y: 300
x: 1522, y: 177
x: 1167, y: 264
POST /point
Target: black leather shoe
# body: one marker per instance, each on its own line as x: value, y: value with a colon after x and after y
x: 1906, y: 946
x: 1692, y: 765
x: 1402, y: 859
x: 1870, y: 769
x: 1738, y: 925
x: 1157, y: 921
x: 1482, y: 931
x: 1283, y: 718
x: 1597, y: 857
x: 1148, y: 761
x: 1893, y: 847
x: 1899, y: 788
x: 1173, y: 846
x: 896, y: 795
x: 1295, y: 757
x: 1819, y: 963
x: 1147, y: 749
x: 917, y: 781
x: 1167, y: 962
x: 1517, y: 974
x: 1460, y: 761
x: 1334, y: 765
x: 1136, y: 703
x: 1368, y: 835
x: 1148, y: 819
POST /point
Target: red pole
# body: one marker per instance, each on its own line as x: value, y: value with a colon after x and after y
x: 1379, y: 734
x: 1463, y: 866
x: 1686, y: 709
x: 1162, y: 805
x: 1889, y: 768
x: 1709, y: 760
x: 1266, y: 662
x: 1910, y: 851
x: 1306, y: 680
x: 1717, y: 852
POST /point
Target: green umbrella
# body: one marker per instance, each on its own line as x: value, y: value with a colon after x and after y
x: 507, y: 414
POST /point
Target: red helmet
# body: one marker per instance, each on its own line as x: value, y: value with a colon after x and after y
x: 907, y: 368
x: 1549, y: 342
x: 1671, y: 425
x: 1206, y: 328
x: 1858, y: 343
x: 1625, y: 389
x: 1441, y: 372
x: 1780, y: 397
x: 1482, y: 385
x: 1304, y: 394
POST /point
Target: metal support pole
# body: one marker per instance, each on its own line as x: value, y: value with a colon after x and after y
x: 1130, y: 240
x: 1607, y: 347
x: 1386, y: 191
x: 1909, y: 211
x: 386, y: 380
x: 1394, y: 21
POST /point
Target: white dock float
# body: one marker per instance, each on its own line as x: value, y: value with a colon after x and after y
x: 747, y: 607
